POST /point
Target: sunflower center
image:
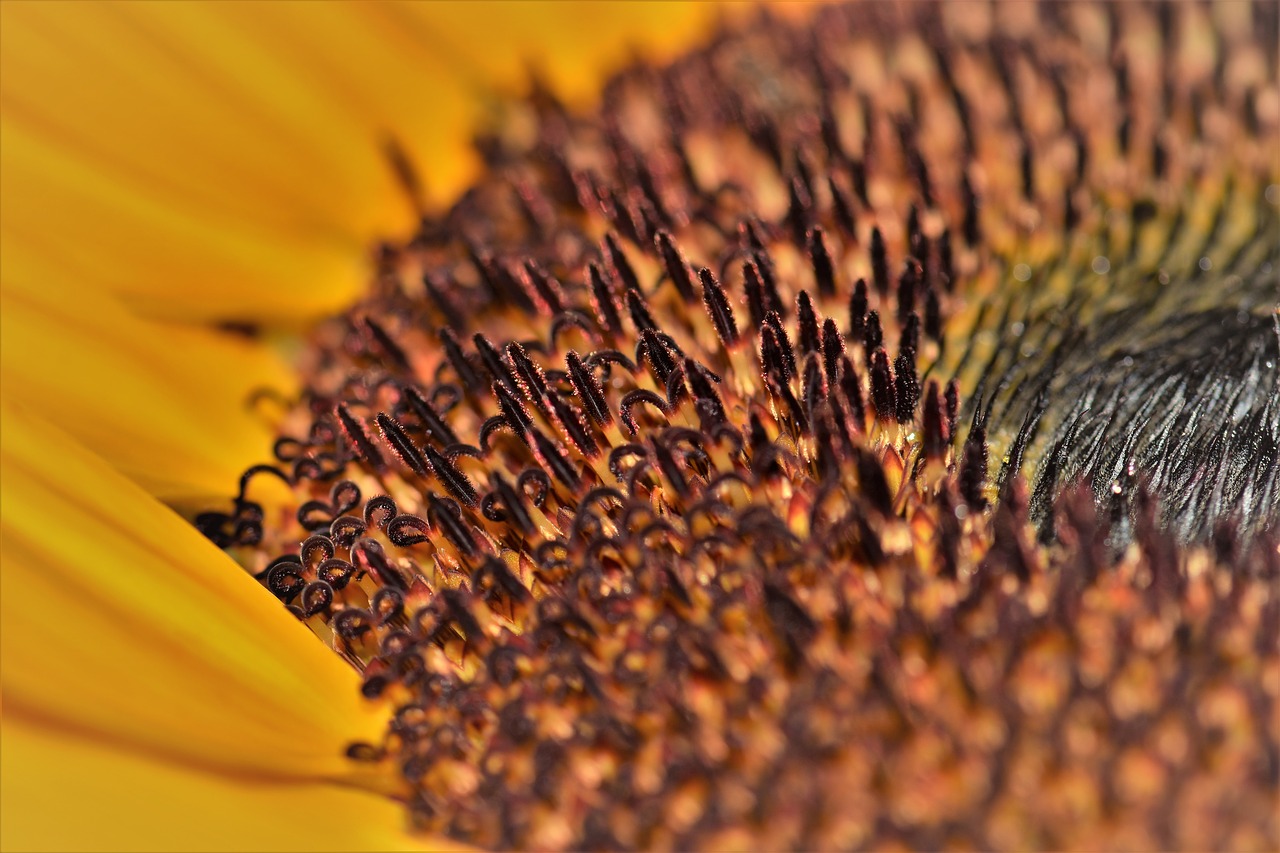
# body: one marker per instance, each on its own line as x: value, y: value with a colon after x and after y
x: 635, y: 486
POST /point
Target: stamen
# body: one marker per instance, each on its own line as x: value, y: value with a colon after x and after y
x: 620, y: 265
x: 359, y: 438
x: 676, y: 266
x: 809, y: 340
x: 451, y: 478
x: 820, y: 257
x: 435, y: 426
x: 394, y: 435
x: 717, y: 302
x: 602, y: 300
x: 879, y: 263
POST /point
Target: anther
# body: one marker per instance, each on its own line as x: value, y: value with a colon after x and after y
x: 638, y: 308
x: 952, y: 399
x: 909, y: 339
x: 769, y: 283
x: 512, y: 505
x: 387, y: 344
x: 571, y: 319
x: 858, y: 304
x: 446, y: 515
x: 671, y: 472
x: 285, y: 581
x: 851, y: 388
x: 387, y: 605
x: 820, y: 257
x: 312, y: 515
x: 702, y: 389
x: 456, y: 482
x: 915, y: 238
x: 794, y: 409
x: 879, y: 262
x: 842, y: 207
x: 920, y: 170
x: 358, y: 437
x: 346, y: 529
x: 396, y: 439
x: 458, y: 360
x: 809, y: 339
x: 752, y: 283
x: 676, y: 266
x: 435, y: 425
x: 883, y: 393
x: 603, y: 301
x: 972, y: 476
x: 352, y: 623
x: 529, y: 375
x: 1026, y: 169
x: 832, y: 349
x: 799, y: 210
x: 517, y: 416
x: 619, y: 264
x: 654, y: 351
x: 572, y: 427
x: 435, y: 290
x: 872, y: 335
x: 493, y: 362
x: 906, y: 387
x: 368, y: 554
x: 495, y: 572
x: 544, y: 290
x: 717, y: 302
x: 772, y: 361
x: 774, y: 321
x: 813, y: 386
x: 794, y: 627
x: 589, y: 390
x: 608, y: 357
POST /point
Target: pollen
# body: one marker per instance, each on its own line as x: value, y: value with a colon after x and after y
x: 731, y: 467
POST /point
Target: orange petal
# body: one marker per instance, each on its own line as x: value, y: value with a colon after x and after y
x: 60, y: 792
x: 122, y: 623
x: 166, y: 405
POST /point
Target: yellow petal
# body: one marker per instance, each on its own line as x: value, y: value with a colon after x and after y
x: 227, y: 160
x: 573, y: 44
x: 59, y: 792
x: 166, y: 405
x: 119, y: 621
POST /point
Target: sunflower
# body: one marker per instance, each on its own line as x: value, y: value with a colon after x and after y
x: 174, y: 174
x: 643, y: 494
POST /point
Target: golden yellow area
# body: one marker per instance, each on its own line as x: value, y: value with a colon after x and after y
x: 64, y: 793
x: 166, y: 405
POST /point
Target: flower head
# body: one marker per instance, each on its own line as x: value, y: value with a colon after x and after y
x: 651, y: 484
x: 666, y: 489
